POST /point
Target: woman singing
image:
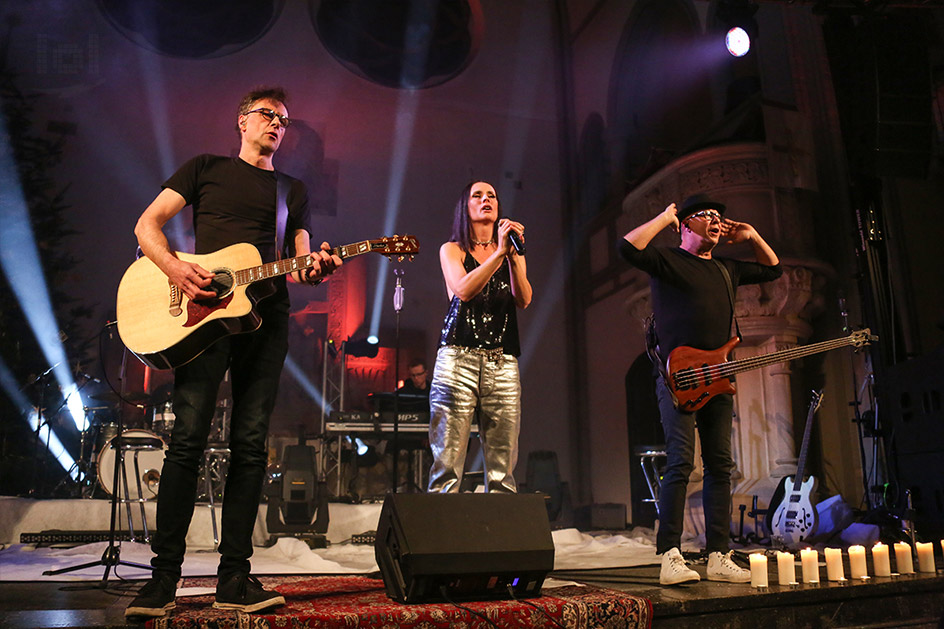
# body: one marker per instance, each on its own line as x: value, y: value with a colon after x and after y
x: 477, y: 364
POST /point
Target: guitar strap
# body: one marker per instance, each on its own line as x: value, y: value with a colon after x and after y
x: 727, y: 280
x: 652, y: 346
x: 281, y: 214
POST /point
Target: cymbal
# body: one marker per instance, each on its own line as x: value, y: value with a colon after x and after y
x: 112, y: 397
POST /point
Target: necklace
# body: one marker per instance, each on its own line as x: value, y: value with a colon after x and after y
x: 481, y: 244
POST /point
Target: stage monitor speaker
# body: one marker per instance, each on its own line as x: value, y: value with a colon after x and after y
x: 439, y: 547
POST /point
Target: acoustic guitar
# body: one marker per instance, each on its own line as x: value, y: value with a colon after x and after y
x: 166, y: 329
x: 695, y: 376
x: 792, y: 517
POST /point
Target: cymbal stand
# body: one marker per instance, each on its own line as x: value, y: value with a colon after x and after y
x: 111, y: 558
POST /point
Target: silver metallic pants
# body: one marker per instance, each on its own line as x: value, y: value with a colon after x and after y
x: 464, y: 381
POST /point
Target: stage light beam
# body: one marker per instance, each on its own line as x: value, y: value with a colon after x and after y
x: 19, y: 258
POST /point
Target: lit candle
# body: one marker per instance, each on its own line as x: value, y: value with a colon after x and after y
x: 809, y: 561
x: 880, y: 560
x: 857, y: 565
x: 834, y: 570
x: 903, y: 559
x: 758, y: 570
x: 925, y: 556
x: 786, y: 568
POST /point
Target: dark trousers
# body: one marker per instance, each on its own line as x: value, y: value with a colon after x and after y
x: 255, y: 361
x: 714, y: 429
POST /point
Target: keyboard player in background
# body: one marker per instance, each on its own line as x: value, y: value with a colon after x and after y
x: 415, y: 387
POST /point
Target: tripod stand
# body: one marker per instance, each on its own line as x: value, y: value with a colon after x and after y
x: 111, y: 557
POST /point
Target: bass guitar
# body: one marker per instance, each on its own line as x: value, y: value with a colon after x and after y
x: 695, y: 376
x: 793, y: 516
x: 166, y: 329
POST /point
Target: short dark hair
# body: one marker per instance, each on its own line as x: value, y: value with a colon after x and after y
x: 272, y: 93
x: 416, y: 362
x: 259, y: 93
x: 460, y: 221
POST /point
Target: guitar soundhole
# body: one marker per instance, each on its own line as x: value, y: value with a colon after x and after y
x: 222, y: 283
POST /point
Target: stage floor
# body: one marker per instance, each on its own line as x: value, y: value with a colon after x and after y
x: 622, y: 561
x: 916, y: 601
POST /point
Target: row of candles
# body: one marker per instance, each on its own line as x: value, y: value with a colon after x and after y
x: 809, y: 563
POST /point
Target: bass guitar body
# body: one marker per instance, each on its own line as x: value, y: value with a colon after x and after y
x: 694, y: 378
x: 794, y: 519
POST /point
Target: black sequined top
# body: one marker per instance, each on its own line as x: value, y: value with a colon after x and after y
x: 487, y: 321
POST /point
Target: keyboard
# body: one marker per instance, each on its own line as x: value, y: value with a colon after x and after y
x: 367, y: 421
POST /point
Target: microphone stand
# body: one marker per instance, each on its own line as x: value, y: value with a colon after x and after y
x: 397, y: 307
x: 37, y: 460
x: 111, y: 558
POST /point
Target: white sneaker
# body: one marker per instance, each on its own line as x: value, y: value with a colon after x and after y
x: 722, y: 568
x: 674, y: 570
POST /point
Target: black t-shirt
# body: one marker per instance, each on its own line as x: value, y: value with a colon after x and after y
x: 690, y: 295
x: 234, y: 202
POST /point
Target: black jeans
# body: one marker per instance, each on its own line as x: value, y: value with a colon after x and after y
x: 714, y: 421
x: 255, y: 361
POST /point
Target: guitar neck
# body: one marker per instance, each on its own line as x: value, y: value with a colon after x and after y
x: 756, y: 362
x: 801, y: 461
x: 290, y: 265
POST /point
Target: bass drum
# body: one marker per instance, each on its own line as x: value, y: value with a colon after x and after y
x: 150, y: 462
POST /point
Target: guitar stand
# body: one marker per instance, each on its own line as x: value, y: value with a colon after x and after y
x: 759, y: 536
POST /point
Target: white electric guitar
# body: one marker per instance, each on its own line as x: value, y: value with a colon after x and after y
x: 794, y: 517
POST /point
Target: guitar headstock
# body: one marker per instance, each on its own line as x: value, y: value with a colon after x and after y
x: 815, y: 401
x: 405, y: 246
x: 862, y: 337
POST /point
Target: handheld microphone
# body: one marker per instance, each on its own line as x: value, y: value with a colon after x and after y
x: 516, y: 242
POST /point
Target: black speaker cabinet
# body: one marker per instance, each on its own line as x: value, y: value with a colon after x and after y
x: 437, y: 547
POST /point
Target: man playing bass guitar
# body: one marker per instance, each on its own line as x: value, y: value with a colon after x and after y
x: 693, y: 303
x: 235, y: 200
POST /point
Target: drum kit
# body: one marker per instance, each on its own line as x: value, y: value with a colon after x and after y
x: 98, y: 451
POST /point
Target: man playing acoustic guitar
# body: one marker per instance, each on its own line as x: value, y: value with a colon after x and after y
x: 235, y: 200
x: 692, y: 298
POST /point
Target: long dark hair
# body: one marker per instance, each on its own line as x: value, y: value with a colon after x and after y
x: 460, y: 221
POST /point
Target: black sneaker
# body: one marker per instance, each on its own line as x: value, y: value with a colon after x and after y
x: 245, y: 593
x: 155, y: 598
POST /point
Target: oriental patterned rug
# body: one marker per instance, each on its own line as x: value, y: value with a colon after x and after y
x: 359, y: 602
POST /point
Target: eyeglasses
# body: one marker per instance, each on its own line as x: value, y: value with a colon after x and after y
x: 708, y: 215
x: 270, y: 114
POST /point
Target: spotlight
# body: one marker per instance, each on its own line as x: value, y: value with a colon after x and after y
x: 372, y: 339
x: 363, y: 347
x: 737, y: 41
x: 738, y: 16
x: 367, y: 455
